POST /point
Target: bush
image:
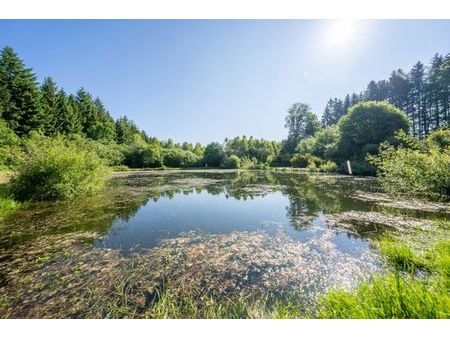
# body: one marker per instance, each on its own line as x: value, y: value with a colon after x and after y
x: 57, y: 169
x: 415, y: 172
x: 359, y: 167
x: 10, y: 151
x: 232, y: 162
x: 366, y: 125
x: 140, y: 154
x: 325, y: 167
x: 179, y: 158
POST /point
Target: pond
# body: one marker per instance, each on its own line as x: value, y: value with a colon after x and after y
x: 223, y: 232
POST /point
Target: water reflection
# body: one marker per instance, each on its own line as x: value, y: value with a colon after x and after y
x: 139, y: 209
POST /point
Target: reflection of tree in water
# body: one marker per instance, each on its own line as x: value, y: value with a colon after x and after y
x: 127, y: 194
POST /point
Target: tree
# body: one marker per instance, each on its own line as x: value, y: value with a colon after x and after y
x: 334, y: 110
x: 49, y: 105
x: 67, y: 120
x: 399, y: 87
x: 102, y: 127
x: 86, y: 110
x: 125, y: 130
x: 416, y: 108
x: 366, y: 125
x: 214, y: 155
x: 301, y: 122
x: 20, y: 95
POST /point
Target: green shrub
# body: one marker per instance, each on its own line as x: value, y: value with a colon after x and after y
x: 232, y: 162
x: 10, y: 152
x: 359, y: 168
x: 140, y: 154
x: 325, y: 167
x: 179, y: 158
x: 413, y: 172
x: 56, y: 169
x: 439, y: 138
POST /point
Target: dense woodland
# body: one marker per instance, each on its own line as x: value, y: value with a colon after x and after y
x: 352, y: 129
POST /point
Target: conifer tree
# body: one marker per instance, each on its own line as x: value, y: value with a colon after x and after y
x: 66, y: 118
x: 49, y: 102
x: 19, y: 93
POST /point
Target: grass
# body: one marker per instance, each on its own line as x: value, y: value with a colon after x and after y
x: 402, y: 293
x: 416, y: 288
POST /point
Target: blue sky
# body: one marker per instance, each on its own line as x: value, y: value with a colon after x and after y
x: 206, y: 80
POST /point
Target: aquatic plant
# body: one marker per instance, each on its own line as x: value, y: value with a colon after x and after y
x: 400, y: 294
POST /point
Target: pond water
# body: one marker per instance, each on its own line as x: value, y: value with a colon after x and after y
x: 227, y: 232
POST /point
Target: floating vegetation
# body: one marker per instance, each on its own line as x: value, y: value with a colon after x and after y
x: 270, y: 245
x: 413, y: 204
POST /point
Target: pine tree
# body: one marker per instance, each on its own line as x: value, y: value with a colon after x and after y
x: 86, y: 110
x: 66, y: 117
x: 347, y: 104
x: 19, y: 93
x: 399, y: 87
x: 103, y: 126
x: 417, y: 103
x: 327, y: 118
x: 49, y: 101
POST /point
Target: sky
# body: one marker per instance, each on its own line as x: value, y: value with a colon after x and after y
x: 204, y: 80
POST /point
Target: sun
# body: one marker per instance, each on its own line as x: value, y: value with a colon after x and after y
x: 340, y: 33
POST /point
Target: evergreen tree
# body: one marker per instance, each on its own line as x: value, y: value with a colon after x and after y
x: 66, y: 119
x: 416, y: 103
x: 125, y: 130
x: 327, y: 116
x: 102, y: 126
x: 19, y: 94
x: 86, y: 110
x: 347, y: 104
x: 399, y: 87
x: 49, y: 102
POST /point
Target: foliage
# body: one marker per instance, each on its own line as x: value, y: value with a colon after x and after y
x: 19, y: 94
x: 422, y: 93
x: 214, y: 155
x: 301, y: 123
x: 324, y: 167
x: 367, y: 125
x: 263, y: 151
x: 179, y: 158
x: 232, y: 162
x: 422, y: 171
x: 56, y: 169
x: 140, y: 154
x: 9, y: 146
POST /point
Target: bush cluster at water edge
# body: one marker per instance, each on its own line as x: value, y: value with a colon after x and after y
x: 54, y: 168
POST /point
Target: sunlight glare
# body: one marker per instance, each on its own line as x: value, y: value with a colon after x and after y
x: 341, y: 33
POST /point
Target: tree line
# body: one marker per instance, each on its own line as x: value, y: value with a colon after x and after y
x: 27, y: 107
x: 422, y: 93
